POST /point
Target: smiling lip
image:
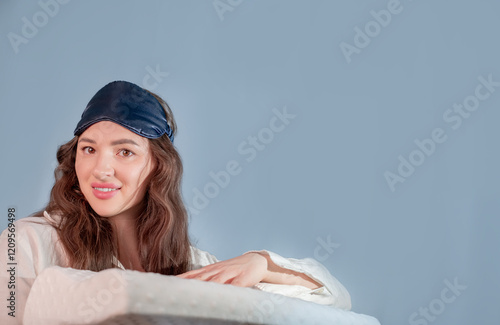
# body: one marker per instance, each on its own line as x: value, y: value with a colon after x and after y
x: 104, y: 191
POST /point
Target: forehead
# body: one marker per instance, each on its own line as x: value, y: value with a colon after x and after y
x: 107, y: 131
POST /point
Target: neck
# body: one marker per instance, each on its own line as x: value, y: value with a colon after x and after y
x: 125, y: 231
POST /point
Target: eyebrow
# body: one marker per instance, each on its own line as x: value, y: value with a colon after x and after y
x: 114, y: 143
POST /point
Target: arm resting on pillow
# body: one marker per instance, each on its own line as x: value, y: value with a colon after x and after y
x: 306, y: 279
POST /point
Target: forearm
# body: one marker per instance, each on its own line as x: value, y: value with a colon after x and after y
x: 278, y: 275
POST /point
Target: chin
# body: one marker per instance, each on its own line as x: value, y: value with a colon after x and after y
x: 102, y: 211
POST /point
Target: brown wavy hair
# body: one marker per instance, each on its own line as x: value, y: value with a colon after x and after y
x: 88, y: 239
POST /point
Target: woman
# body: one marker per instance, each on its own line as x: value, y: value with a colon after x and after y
x: 117, y: 203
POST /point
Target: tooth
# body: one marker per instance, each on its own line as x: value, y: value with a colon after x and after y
x: 105, y: 189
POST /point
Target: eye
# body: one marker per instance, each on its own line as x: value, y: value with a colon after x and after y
x: 126, y: 153
x: 88, y: 150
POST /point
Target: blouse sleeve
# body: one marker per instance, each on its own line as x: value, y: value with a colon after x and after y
x: 331, y: 293
x: 26, y: 248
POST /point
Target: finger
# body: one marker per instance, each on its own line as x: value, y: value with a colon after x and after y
x: 193, y: 273
x: 202, y: 275
x: 187, y: 275
x: 221, y: 277
x: 240, y: 281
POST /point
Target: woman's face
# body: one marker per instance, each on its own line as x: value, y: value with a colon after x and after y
x: 112, y: 164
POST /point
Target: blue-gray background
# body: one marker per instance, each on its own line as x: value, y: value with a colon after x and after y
x: 317, y: 188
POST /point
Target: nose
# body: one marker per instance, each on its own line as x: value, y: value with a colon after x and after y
x: 103, y: 168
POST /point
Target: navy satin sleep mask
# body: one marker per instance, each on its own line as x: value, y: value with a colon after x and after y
x: 128, y: 105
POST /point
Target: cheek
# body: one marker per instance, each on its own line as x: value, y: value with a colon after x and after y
x: 140, y: 176
x: 80, y: 169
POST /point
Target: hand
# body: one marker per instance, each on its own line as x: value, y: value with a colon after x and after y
x: 243, y: 271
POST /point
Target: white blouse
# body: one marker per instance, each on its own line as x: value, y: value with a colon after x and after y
x: 37, y: 247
